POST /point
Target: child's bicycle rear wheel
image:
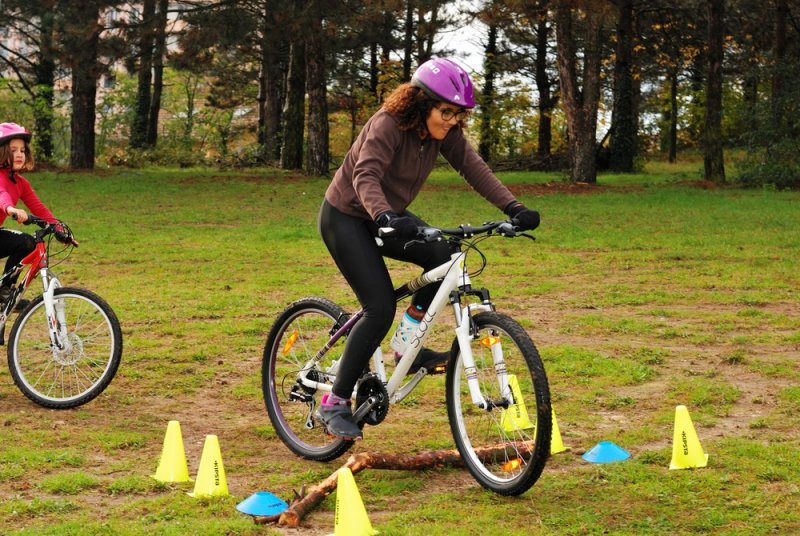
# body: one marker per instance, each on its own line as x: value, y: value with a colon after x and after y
x: 87, y: 359
x: 505, y: 447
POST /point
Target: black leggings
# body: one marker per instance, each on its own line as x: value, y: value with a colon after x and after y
x: 351, y: 242
x: 15, y: 245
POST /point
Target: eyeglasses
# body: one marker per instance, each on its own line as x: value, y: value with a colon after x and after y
x: 449, y: 113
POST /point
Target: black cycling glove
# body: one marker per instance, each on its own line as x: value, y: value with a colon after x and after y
x: 404, y: 226
x: 525, y: 218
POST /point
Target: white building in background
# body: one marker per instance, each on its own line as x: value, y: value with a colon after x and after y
x: 13, y: 44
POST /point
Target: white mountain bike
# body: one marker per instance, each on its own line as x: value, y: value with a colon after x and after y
x: 498, y: 398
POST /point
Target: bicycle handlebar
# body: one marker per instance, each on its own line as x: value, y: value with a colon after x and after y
x: 503, y: 228
x: 64, y: 234
x: 507, y: 228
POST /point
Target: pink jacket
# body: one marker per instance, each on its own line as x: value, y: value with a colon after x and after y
x: 11, y: 192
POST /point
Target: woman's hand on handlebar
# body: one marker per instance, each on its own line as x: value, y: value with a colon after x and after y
x: 401, y: 226
x: 525, y: 218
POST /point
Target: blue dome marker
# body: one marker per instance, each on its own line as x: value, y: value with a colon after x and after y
x: 262, y: 503
x: 606, y: 452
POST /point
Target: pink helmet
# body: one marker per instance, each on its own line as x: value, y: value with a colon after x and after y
x: 11, y: 131
x: 445, y: 80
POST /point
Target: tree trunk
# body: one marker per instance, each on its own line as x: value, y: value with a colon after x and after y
x: 408, y: 40
x: 425, y: 42
x: 271, y: 76
x: 712, y: 131
x: 85, y: 72
x: 45, y: 72
x: 673, y: 115
x: 158, y: 72
x: 488, y: 133
x: 580, y: 104
x: 294, y: 111
x: 779, y: 53
x: 318, y: 155
x: 373, y: 70
x: 546, y: 102
x: 624, y: 129
x: 138, y: 137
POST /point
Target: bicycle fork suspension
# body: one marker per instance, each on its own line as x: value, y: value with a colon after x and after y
x: 56, y: 315
x: 465, y: 336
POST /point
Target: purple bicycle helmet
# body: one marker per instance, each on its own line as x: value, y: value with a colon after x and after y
x: 11, y: 131
x: 445, y: 80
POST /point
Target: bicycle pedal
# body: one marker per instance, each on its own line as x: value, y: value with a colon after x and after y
x: 438, y: 369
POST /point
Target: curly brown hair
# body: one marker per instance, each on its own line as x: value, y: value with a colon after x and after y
x: 7, y: 158
x: 411, y: 106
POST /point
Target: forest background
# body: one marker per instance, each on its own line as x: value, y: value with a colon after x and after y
x: 579, y: 85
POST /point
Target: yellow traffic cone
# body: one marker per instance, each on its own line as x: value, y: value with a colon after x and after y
x: 556, y: 444
x: 351, y: 517
x: 686, y: 450
x: 211, y: 473
x: 515, y: 418
x: 172, y: 466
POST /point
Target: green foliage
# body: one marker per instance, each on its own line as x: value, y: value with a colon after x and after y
x: 777, y: 166
x: 771, y: 138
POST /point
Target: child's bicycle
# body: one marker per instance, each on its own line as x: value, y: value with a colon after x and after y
x: 498, y: 398
x: 66, y: 345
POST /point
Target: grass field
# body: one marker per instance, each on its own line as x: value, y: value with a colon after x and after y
x: 642, y: 293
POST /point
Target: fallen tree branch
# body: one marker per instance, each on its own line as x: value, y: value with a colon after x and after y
x: 303, y: 502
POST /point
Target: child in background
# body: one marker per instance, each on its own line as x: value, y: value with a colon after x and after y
x: 16, y: 156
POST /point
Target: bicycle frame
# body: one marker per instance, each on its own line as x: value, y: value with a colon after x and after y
x: 39, y: 265
x: 453, y: 277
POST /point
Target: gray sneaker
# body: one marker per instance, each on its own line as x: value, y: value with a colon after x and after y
x: 338, y: 420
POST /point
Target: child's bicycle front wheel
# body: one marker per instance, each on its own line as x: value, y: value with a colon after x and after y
x: 70, y: 376
x: 505, y: 447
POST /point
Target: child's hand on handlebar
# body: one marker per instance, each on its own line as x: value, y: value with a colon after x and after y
x: 20, y: 215
x: 64, y: 235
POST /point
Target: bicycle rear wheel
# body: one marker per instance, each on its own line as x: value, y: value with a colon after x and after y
x: 506, y: 447
x: 67, y: 377
x: 301, y: 331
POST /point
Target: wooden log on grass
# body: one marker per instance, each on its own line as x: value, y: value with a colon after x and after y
x: 304, y: 502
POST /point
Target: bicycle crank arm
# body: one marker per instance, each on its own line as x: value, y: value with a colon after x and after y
x: 367, y: 406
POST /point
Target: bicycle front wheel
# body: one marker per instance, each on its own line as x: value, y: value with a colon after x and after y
x: 80, y: 365
x: 504, y: 447
x: 300, y: 332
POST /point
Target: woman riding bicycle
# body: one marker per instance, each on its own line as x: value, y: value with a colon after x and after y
x: 16, y: 156
x: 381, y: 175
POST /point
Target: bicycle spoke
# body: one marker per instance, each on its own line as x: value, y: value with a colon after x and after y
x: 295, y: 339
x: 91, y: 348
x: 515, y: 431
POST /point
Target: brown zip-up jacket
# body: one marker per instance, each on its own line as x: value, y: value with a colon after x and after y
x: 386, y: 168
